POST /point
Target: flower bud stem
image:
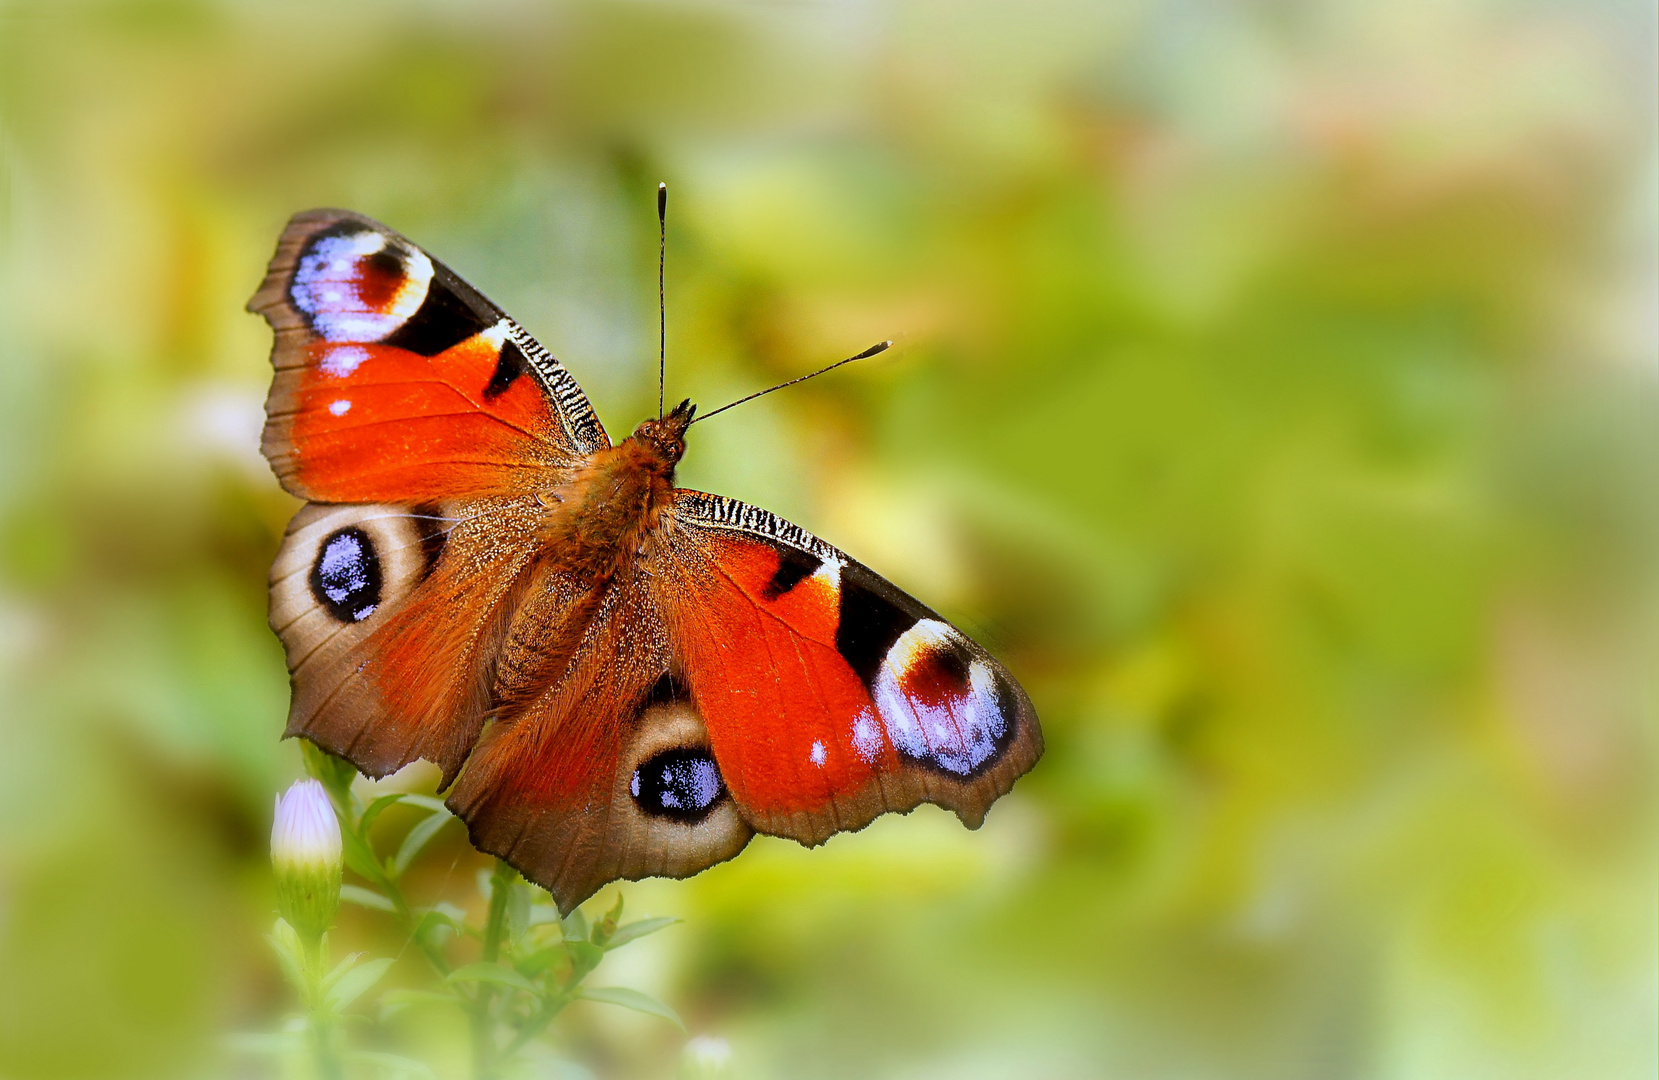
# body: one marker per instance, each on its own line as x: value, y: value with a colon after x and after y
x: 321, y: 1019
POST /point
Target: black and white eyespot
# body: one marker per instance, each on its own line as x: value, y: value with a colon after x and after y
x: 345, y: 578
x: 341, y: 566
x: 681, y: 783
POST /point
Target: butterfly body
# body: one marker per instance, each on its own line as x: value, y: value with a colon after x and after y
x: 618, y: 677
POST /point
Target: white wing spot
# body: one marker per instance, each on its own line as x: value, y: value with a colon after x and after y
x: 866, y: 736
x: 343, y: 360
x: 817, y: 754
x: 340, y: 408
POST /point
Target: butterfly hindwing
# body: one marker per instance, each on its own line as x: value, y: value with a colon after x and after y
x: 398, y: 382
x: 607, y: 772
x: 830, y: 695
x: 392, y: 617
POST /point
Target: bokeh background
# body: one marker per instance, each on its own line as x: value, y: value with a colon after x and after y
x: 1275, y: 394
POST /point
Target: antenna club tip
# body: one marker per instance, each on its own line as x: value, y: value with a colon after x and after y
x: 662, y: 200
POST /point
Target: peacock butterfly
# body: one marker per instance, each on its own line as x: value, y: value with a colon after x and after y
x: 618, y: 678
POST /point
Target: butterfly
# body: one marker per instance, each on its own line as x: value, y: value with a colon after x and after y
x: 617, y: 677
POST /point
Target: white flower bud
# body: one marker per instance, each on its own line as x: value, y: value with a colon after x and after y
x: 706, y: 1057
x: 306, y: 855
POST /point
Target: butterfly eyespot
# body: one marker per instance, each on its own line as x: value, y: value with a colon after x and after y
x: 345, y: 577
x: 683, y: 784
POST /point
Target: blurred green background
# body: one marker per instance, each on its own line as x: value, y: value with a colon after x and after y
x: 1274, y: 394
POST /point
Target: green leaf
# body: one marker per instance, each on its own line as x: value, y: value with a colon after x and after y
x: 376, y: 808
x: 637, y: 929
x: 584, y: 957
x: 418, y: 837
x: 499, y: 974
x: 518, y: 911
x: 576, y: 926
x: 425, y: 802
x: 534, y: 963
x: 356, y: 894
x: 603, y: 930
x: 350, y: 986
x: 360, y: 856
x: 392, y: 1064
x: 442, y: 917
x: 286, y: 943
x: 341, y: 968
x: 335, y: 773
x: 633, y: 999
x: 542, y: 914
x: 397, y: 999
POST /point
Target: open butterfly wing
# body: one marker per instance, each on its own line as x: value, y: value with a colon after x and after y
x: 398, y: 382
x: 831, y: 696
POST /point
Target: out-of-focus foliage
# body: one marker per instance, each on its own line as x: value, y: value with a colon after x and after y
x: 1274, y: 395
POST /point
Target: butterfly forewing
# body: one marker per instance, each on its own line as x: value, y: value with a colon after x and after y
x: 398, y: 382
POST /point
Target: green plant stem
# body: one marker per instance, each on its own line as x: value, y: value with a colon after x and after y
x: 406, y: 916
x: 535, y: 1025
x: 484, y: 1056
x: 320, y: 1018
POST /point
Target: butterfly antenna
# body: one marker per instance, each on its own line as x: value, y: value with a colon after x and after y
x: 662, y: 304
x: 879, y: 347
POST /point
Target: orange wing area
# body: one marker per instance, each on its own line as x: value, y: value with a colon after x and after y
x: 374, y: 423
x: 398, y: 382
x: 830, y: 696
x: 785, y: 711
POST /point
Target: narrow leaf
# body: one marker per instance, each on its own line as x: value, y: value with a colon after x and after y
x: 423, y: 831
x: 493, y: 973
x: 341, y: 968
x: 360, y: 856
x: 518, y: 911
x: 637, y: 929
x: 286, y: 944
x: 576, y: 926
x: 584, y: 957
x: 426, y: 802
x: 634, y: 999
x: 396, y: 1000
x: 541, y: 914
x: 540, y: 960
x: 352, y: 984
x: 356, y: 894
x: 375, y: 809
